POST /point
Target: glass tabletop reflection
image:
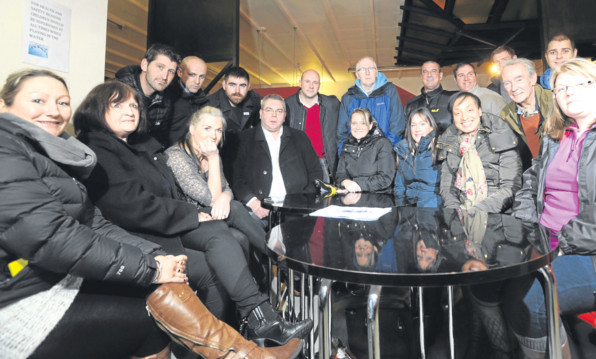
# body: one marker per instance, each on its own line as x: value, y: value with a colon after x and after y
x: 412, y: 246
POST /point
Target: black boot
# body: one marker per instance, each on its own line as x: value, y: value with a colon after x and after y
x: 265, y: 324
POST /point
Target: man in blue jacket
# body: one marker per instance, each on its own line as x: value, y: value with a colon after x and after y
x: 374, y: 92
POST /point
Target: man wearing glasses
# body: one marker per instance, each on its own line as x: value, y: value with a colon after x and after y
x: 240, y: 107
x: 273, y: 160
x: 530, y: 106
x: 374, y: 92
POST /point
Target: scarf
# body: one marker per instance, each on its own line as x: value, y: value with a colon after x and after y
x: 470, y: 179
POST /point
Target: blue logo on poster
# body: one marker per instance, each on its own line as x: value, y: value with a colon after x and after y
x: 38, y: 50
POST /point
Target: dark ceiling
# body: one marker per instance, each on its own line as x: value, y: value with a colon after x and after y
x: 452, y: 31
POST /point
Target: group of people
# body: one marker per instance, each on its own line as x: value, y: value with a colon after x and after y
x: 165, y: 184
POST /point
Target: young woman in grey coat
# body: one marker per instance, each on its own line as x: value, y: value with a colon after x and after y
x: 481, y: 168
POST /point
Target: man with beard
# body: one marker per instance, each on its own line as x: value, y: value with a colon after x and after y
x: 157, y: 70
x: 187, y: 95
x: 240, y: 107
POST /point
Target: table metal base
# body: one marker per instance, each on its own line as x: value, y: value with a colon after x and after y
x: 546, y: 278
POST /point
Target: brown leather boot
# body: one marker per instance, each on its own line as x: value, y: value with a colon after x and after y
x: 180, y: 313
x: 166, y: 353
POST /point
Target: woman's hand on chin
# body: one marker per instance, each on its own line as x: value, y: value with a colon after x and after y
x: 208, y: 148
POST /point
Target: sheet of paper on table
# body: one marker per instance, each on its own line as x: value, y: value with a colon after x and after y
x: 356, y: 213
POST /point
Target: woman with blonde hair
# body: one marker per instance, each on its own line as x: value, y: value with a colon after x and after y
x: 197, y: 166
x: 559, y: 192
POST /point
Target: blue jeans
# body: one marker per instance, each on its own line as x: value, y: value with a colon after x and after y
x: 524, y: 299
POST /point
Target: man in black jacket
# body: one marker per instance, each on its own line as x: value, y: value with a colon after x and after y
x: 157, y: 70
x: 316, y: 115
x: 432, y: 96
x: 240, y: 107
x: 273, y: 160
x: 187, y: 95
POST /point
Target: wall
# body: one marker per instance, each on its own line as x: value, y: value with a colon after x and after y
x: 87, y: 43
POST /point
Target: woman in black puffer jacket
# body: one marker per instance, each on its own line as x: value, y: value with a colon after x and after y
x: 367, y: 161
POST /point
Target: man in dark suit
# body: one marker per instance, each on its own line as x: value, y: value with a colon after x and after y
x: 273, y: 160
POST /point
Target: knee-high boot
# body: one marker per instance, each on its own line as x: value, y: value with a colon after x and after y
x: 165, y: 353
x: 180, y: 313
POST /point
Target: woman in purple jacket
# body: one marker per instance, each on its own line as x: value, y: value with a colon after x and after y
x: 559, y: 192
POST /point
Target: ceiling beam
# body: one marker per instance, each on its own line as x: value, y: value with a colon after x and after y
x: 496, y: 12
x: 430, y: 30
x: 449, y: 5
x: 413, y: 57
x: 432, y: 6
x: 124, y: 56
x: 373, y: 15
x: 510, y: 38
x: 476, y: 38
x: 421, y: 42
x: 293, y: 22
x: 418, y: 52
x: 120, y: 21
x: 402, y: 32
x: 333, y: 21
x: 126, y: 42
x: 424, y: 11
x: 502, y: 25
x: 141, y: 4
x: 267, y: 65
x: 257, y: 27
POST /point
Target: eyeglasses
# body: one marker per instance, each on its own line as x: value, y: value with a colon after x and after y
x: 559, y: 90
x: 270, y: 111
x: 367, y: 69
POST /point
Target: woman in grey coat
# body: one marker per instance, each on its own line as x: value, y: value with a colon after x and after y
x: 481, y: 168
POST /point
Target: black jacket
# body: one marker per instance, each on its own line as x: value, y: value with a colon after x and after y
x: 47, y: 218
x: 240, y: 118
x: 496, y: 146
x: 184, y: 105
x: 437, y: 101
x: 298, y: 161
x: 329, y: 112
x: 370, y: 162
x: 577, y: 236
x: 135, y: 189
x: 157, y: 107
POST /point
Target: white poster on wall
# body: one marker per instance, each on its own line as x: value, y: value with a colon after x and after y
x: 46, y: 34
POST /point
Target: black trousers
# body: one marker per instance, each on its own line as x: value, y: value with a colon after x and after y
x: 105, y: 321
x: 225, y: 257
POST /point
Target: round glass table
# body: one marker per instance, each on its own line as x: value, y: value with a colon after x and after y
x: 411, y: 247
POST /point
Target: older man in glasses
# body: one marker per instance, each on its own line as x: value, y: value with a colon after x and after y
x: 530, y: 105
x: 273, y: 160
x: 374, y: 92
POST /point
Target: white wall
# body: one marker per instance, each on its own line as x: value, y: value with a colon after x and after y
x: 87, y: 43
